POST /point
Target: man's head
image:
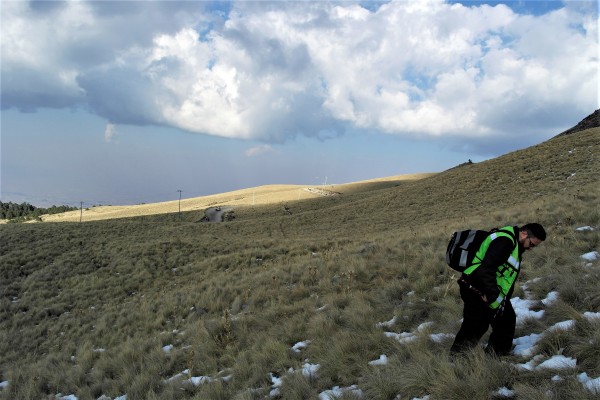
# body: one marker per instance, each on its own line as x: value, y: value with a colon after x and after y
x: 531, y: 235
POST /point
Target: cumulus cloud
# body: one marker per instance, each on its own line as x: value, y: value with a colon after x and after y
x: 274, y: 70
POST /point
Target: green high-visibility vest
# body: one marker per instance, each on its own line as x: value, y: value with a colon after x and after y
x: 507, y: 272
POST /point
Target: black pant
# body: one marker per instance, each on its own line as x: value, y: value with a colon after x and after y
x: 477, y: 318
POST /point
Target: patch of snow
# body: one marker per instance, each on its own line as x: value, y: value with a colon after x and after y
x: 387, y: 324
x: 199, y: 380
x: 440, y: 337
x: 564, y: 325
x: 522, y: 310
x: 530, y: 365
x: 524, y: 346
x: 558, y: 362
x: 300, y: 345
x: 309, y: 370
x: 277, y: 382
x: 586, y: 229
x: 505, y: 392
x: 178, y: 376
x: 337, y: 391
x: 550, y: 299
x: 591, y: 315
x: 409, y: 337
x: 424, y: 326
x: 404, y: 337
x: 383, y: 360
x: 593, y: 385
x: 591, y: 256
x: 525, y: 285
x: 194, y: 380
x: 104, y: 397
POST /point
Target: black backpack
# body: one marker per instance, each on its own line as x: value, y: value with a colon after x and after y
x: 464, y: 245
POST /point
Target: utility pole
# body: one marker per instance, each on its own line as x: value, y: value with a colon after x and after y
x: 179, y: 190
x: 81, y: 212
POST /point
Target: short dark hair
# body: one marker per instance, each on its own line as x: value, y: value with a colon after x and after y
x: 536, y: 230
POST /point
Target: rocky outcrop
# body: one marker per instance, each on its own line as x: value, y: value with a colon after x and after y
x: 591, y: 121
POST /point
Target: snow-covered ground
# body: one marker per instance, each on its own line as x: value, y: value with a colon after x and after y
x: 524, y: 347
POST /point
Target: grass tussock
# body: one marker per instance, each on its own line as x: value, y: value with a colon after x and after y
x: 158, y: 307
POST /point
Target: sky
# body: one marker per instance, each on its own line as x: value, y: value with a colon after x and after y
x: 128, y: 102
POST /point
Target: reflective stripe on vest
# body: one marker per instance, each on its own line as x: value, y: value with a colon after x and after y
x: 497, y: 302
x: 514, y: 262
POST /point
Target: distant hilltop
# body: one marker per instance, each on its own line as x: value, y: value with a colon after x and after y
x: 591, y: 121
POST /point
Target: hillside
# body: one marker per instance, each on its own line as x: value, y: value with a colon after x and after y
x: 589, y: 122
x: 280, y: 194
x: 269, y: 194
x: 345, y: 296
x: 535, y: 172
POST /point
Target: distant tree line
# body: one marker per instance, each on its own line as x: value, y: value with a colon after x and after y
x: 25, y: 211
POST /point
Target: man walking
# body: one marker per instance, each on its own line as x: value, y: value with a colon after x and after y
x: 487, y: 286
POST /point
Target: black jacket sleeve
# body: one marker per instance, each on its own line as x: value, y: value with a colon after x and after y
x: 484, y: 277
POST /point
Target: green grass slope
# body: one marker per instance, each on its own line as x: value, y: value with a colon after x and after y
x: 87, y: 308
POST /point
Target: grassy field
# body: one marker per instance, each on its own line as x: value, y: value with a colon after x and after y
x: 263, y: 195
x: 289, y: 302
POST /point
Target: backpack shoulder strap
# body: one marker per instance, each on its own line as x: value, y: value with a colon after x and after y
x: 512, y: 235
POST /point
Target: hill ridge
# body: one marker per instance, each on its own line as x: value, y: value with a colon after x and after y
x: 591, y: 121
x: 273, y: 194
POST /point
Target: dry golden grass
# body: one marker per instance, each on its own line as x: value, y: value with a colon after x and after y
x: 262, y: 195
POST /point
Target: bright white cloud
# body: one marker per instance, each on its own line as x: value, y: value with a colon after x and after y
x: 273, y: 70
